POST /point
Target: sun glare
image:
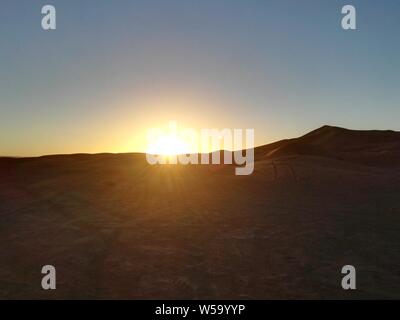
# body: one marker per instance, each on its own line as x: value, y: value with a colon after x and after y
x: 168, y: 145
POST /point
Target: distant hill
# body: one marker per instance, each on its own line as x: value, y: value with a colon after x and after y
x: 370, y: 147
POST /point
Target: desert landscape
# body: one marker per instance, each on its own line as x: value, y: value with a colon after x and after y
x: 116, y: 227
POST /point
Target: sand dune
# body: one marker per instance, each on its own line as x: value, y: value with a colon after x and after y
x: 116, y: 227
x: 372, y: 147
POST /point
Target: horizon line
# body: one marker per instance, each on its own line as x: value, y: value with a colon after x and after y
x: 220, y: 150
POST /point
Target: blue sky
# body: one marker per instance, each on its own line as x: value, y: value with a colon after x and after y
x: 112, y: 69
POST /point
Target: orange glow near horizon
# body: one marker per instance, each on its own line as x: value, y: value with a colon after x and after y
x: 168, y: 145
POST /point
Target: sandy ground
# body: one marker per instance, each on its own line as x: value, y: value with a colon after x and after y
x: 116, y: 227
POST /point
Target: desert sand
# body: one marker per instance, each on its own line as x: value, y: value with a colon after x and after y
x: 116, y: 227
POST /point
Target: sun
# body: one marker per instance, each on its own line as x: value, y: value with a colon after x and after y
x: 168, y: 145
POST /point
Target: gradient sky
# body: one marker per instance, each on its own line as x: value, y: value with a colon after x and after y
x: 113, y: 69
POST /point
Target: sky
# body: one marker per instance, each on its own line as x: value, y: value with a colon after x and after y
x: 113, y: 69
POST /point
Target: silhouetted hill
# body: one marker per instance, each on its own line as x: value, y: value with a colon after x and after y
x: 370, y: 147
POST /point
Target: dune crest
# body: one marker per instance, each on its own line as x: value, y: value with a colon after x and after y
x: 369, y: 147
